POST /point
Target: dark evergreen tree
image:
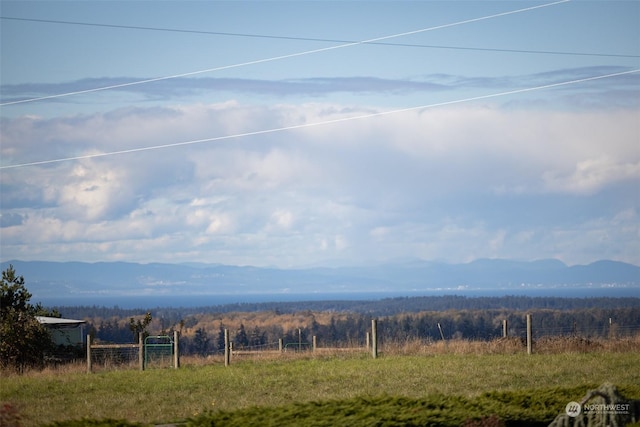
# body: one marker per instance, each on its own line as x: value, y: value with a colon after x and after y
x: 333, y: 331
x: 257, y: 338
x: 200, y: 342
x: 24, y: 342
x: 220, y: 342
x: 241, y: 339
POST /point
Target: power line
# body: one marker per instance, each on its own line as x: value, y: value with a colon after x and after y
x: 323, y: 40
x: 322, y: 123
x: 292, y: 55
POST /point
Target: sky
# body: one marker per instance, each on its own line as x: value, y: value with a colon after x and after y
x: 319, y: 133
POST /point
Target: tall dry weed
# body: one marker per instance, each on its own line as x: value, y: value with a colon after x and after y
x: 47, y: 371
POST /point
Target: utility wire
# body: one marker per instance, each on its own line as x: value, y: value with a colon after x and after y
x: 323, y: 40
x: 292, y: 55
x: 322, y: 123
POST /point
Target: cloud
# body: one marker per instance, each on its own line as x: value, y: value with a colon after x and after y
x: 452, y: 183
x: 183, y: 86
x: 614, y: 89
x: 591, y: 175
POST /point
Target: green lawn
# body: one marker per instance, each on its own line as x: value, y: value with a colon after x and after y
x: 168, y: 395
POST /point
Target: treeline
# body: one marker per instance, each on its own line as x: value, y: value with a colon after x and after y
x: 382, y: 307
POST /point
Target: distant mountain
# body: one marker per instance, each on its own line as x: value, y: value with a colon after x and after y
x: 59, y: 279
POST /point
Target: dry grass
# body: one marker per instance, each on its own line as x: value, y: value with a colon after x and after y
x: 47, y: 372
x: 545, y: 345
x: 501, y: 346
x: 275, y: 355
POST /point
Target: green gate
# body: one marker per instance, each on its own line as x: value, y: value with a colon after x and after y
x: 158, y: 349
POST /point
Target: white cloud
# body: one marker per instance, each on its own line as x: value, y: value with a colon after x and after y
x: 92, y: 192
x: 447, y: 183
x: 591, y: 175
x: 282, y: 219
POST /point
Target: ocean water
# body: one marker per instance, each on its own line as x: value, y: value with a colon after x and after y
x: 153, y: 301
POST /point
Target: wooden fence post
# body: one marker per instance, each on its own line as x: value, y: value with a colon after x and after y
x: 176, y: 350
x: 88, y: 354
x: 368, y: 341
x: 610, y: 328
x: 374, y: 338
x: 315, y: 343
x: 227, y: 349
x: 141, y: 351
x: 529, y: 337
x: 280, y: 345
x: 505, y: 332
x: 441, y: 333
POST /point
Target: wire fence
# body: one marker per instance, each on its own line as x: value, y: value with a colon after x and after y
x: 610, y: 332
x: 113, y: 356
x: 530, y: 338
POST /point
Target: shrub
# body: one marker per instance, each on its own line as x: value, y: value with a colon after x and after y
x: 9, y: 415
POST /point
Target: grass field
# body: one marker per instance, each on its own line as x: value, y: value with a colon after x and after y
x: 480, y: 384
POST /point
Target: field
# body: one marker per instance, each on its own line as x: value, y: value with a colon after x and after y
x: 447, y: 387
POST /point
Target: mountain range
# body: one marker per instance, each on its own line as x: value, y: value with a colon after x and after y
x: 60, y: 279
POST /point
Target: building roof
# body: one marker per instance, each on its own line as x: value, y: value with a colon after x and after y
x: 58, y: 321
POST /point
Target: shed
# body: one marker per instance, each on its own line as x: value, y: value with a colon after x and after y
x: 64, y: 331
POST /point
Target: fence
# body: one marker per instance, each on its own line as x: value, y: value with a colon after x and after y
x: 371, y: 343
x: 610, y: 330
x: 531, y: 336
x: 150, y: 350
x: 161, y: 349
x: 533, y: 332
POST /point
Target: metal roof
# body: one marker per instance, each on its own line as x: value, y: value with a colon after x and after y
x: 58, y: 321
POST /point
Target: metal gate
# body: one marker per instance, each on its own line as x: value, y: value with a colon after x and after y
x: 158, y: 349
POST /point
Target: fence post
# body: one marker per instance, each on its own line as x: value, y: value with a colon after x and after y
x: 610, y: 328
x: 315, y: 343
x: 441, y: 333
x: 529, y: 338
x: 227, y: 350
x: 176, y: 350
x: 88, y: 354
x: 374, y: 338
x: 368, y: 341
x: 505, y: 334
x: 141, y: 351
x: 280, y: 345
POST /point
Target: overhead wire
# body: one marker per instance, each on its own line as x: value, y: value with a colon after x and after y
x: 321, y: 123
x: 280, y: 57
x: 322, y: 40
